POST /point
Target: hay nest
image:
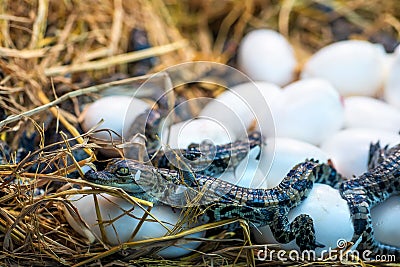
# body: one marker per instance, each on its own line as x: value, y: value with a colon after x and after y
x: 58, y: 55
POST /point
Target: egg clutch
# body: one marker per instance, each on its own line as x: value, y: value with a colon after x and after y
x: 346, y: 98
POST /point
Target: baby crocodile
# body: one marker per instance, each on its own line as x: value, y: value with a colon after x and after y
x: 223, y: 200
x: 371, y: 188
x: 207, y: 159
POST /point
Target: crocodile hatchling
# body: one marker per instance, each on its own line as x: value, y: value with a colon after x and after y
x: 207, y: 159
x: 258, y: 206
x: 371, y: 188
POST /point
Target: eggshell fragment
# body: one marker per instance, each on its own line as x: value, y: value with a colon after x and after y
x: 353, y: 67
x: 368, y: 112
x: 349, y: 148
x: 310, y: 110
x: 385, y: 218
x: 330, y: 214
x: 265, y: 55
x: 122, y: 227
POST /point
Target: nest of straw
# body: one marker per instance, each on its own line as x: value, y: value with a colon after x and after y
x: 57, y: 55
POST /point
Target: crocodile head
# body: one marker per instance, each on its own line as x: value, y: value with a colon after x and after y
x: 120, y: 173
x: 142, y: 181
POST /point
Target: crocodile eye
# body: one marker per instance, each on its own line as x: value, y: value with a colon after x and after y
x: 123, y: 171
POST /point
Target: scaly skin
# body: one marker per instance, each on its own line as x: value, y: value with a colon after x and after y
x: 368, y: 190
x: 207, y: 159
x: 376, y: 155
x: 223, y: 200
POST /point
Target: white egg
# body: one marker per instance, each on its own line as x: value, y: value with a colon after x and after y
x: 264, y: 99
x: 385, y: 217
x: 330, y: 214
x: 353, y: 67
x: 392, y: 86
x: 277, y: 158
x: 349, y: 148
x: 368, y: 112
x: 310, y: 110
x: 265, y: 106
x: 265, y: 55
x: 240, y: 105
x: 182, y: 134
x: 116, y: 111
x: 230, y: 110
x: 122, y: 226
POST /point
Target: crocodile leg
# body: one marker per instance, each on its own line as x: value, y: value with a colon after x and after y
x: 359, y: 209
x: 369, y: 243
x: 376, y: 155
x: 301, y: 229
x: 361, y: 215
x: 326, y: 174
x: 368, y: 190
